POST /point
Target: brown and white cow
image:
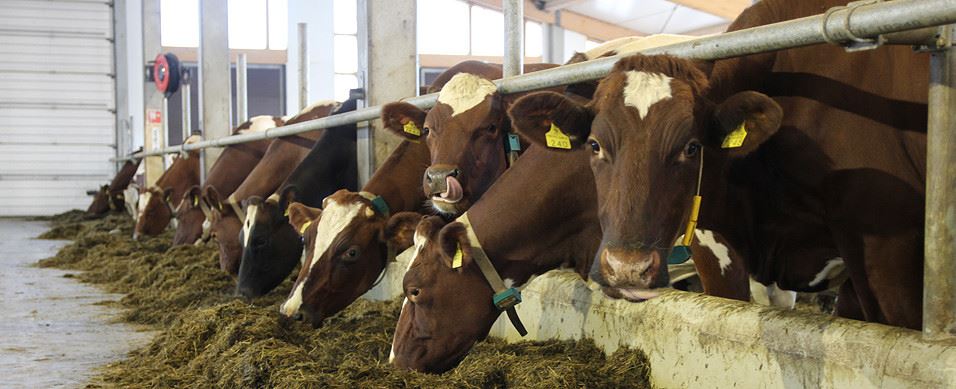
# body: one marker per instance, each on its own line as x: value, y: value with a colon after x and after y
x: 111, y: 197
x: 540, y: 215
x: 798, y: 183
x: 158, y: 201
x: 349, y: 241
x: 230, y: 169
x: 466, y: 133
x: 280, y: 159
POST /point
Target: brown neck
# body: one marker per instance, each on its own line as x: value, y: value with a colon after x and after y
x: 541, y: 214
x: 280, y: 160
x: 398, y: 180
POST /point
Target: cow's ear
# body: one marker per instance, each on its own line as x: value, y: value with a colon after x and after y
x: 399, y: 231
x: 192, y: 196
x: 211, y: 196
x: 302, y: 217
x: 168, y: 194
x: 743, y: 122
x: 404, y: 120
x: 551, y: 120
x: 455, y: 246
x: 287, y: 196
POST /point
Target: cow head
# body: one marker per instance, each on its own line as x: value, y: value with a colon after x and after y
x: 270, y: 246
x: 446, y: 310
x: 225, y: 227
x: 346, y: 249
x: 191, y: 217
x: 154, y: 211
x: 647, y: 127
x: 101, y: 201
x: 464, y: 132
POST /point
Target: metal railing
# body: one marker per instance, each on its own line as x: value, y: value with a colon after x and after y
x: 891, y: 21
x: 867, y: 21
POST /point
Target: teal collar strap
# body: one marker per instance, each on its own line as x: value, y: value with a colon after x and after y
x: 378, y: 203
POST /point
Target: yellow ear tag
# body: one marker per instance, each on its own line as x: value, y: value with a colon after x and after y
x: 736, y: 137
x: 556, y: 139
x: 195, y: 201
x: 456, y: 262
x: 286, y: 213
x: 304, y: 227
x: 411, y: 128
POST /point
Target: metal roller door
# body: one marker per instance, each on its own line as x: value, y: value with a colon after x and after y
x: 56, y: 104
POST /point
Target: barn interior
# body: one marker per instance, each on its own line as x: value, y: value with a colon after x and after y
x: 111, y: 101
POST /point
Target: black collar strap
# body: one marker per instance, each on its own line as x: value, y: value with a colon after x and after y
x: 505, y: 298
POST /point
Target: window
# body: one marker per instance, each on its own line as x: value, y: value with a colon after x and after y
x: 443, y: 27
x: 253, y: 24
x: 345, y: 47
x: 533, y: 39
x: 487, y: 31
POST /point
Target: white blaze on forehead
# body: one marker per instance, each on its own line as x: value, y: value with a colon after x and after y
x: 643, y: 90
x: 259, y: 123
x: 833, y: 269
x: 249, y: 223
x: 709, y: 241
x: 335, y: 217
x: 143, y: 200
x: 465, y: 91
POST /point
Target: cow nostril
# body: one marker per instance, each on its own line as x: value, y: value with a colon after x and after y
x: 454, y: 173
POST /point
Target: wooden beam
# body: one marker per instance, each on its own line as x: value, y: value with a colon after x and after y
x: 530, y: 11
x: 727, y: 9
x: 554, y: 5
x: 594, y: 28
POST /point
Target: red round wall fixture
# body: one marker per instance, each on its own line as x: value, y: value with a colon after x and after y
x: 167, y: 73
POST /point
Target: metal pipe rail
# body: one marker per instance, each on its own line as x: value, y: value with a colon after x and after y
x: 867, y: 21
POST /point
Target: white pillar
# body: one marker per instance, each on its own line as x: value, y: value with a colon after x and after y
x: 214, y: 78
x: 152, y: 99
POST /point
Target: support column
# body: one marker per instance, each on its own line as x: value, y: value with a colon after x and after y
x: 123, y: 136
x: 392, y: 62
x: 514, y: 37
x: 939, y: 284
x: 554, y: 41
x: 214, y: 81
x: 152, y: 99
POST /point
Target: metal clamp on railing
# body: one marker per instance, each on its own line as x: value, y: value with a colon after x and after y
x: 854, y: 43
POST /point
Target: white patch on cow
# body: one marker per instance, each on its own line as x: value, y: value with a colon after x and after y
x: 174, y: 223
x: 833, y: 269
x: 249, y: 223
x: 206, y: 225
x: 758, y: 292
x: 707, y: 240
x: 391, y: 353
x: 465, y: 91
x: 321, y: 103
x: 192, y: 139
x: 781, y: 298
x: 644, y: 89
x: 291, y: 306
x: 335, y: 217
x: 259, y: 123
x: 141, y: 206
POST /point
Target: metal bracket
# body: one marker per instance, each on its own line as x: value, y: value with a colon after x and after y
x: 945, y: 38
x: 855, y: 43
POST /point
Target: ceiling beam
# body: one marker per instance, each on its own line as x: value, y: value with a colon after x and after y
x: 727, y: 9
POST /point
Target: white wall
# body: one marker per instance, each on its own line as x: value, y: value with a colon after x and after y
x: 318, y: 15
x: 573, y: 42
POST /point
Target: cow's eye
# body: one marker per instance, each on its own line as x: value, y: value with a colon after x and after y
x: 425, y: 131
x: 351, y: 254
x: 595, y: 146
x: 692, y: 148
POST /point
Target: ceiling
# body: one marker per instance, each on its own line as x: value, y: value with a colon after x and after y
x: 658, y: 16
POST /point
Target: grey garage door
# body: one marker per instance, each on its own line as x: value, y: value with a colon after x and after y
x: 56, y: 104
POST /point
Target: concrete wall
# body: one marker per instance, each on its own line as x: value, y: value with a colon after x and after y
x: 700, y: 341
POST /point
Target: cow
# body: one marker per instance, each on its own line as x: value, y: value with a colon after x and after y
x: 271, y: 247
x: 233, y: 165
x: 280, y: 159
x: 798, y: 181
x: 157, y: 202
x: 470, y: 109
x: 350, y: 240
x: 110, y: 197
x: 449, y: 305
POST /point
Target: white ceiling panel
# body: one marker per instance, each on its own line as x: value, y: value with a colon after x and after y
x: 689, y: 19
x: 616, y: 11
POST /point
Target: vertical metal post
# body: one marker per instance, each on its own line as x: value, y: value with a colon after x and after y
x: 185, y: 91
x: 514, y: 36
x: 365, y: 137
x: 242, y: 94
x: 121, y: 71
x: 303, y: 65
x: 939, y: 275
x: 165, y: 134
x: 215, y: 89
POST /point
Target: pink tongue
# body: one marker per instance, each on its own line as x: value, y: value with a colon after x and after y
x: 453, y: 192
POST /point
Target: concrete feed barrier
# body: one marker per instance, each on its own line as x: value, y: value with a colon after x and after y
x: 700, y: 341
